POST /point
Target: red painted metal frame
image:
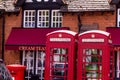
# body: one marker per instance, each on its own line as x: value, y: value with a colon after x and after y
x: 70, y: 45
x: 106, y: 50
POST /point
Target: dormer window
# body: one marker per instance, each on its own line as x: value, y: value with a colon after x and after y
x: 29, y: 19
x: 43, y: 19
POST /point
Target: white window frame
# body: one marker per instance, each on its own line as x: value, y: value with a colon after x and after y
x: 118, y: 17
x: 118, y: 64
x: 29, y: 19
x: 43, y: 18
x: 40, y: 55
x: 29, y: 67
x: 56, y: 20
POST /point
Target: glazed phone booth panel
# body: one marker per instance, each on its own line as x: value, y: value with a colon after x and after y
x: 60, y: 55
x: 95, y: 56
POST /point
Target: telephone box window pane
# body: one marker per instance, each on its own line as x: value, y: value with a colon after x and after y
x: 61, y: 58
x: 95, y: 59
x: 92, y: 67
x: 62, y: 51
x: 92, y: 52
x: 59, y: 70
x: 59, y: 55
x: 92, y: 64
x: 57, y: 78
x: 93, y: 75
x: 58, y: 63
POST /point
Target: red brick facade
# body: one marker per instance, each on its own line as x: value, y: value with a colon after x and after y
x: 11, y: 56
x: 1, y: 20
x: 103, y: 19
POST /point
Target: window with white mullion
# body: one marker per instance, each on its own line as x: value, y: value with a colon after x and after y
x: 60, y: 21
x: 29, y: 19
x: 118, y: 18
x: 56, y: 18
x: 40, y: 61
x: 28, y: 61
x: 43, y: 19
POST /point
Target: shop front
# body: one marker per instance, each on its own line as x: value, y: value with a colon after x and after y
x: 116, y: 43
x: 30, y: 42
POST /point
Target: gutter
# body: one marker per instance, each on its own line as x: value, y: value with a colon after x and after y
x: 79, y: 22
x: 3, y: 31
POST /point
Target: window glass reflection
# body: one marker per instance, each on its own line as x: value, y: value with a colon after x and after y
x: 59, y: 63
x: 92, y: 66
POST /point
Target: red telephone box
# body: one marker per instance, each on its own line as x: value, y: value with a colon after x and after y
x: 95, y: 56
x: 60, y: 55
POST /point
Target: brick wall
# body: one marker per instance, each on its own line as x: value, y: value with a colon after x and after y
x: 10, y: 22
x: 11, y: 56
x: 70, y: 20
x: 102, y: 20
x: 106, y: 19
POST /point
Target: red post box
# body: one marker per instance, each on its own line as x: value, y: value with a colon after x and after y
x: 95, y: 56
x: 17, y: 71
x: 60, y: 55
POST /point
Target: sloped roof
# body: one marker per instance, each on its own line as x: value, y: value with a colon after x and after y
x: 87, y: 5
x: 115, y: 2
x: 71, y: 5
x: 8, y: 5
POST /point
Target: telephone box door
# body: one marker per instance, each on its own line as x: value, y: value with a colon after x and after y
x: 60, y: 55
x: 95, y: 57
x: 59, y: 63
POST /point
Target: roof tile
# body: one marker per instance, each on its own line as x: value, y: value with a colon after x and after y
x: 88, y: 5
x: 8, y: 5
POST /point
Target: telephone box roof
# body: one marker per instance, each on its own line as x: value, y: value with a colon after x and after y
x: 95, y: 31
x: 63, y: 31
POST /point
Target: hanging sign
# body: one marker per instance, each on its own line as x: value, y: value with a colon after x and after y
x: 93, y: 40
x: 60, y: 39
